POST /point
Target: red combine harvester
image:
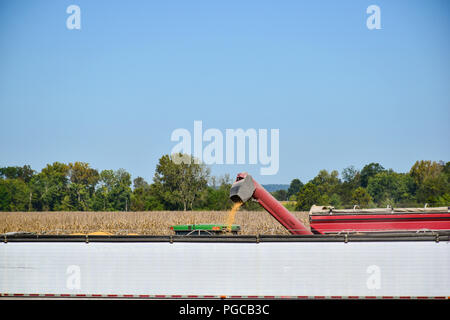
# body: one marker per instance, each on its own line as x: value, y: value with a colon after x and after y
x: 326, y: 220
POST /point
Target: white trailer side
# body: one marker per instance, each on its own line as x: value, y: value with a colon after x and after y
x: 288, y: 269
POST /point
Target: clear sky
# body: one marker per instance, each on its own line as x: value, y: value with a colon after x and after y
x: 111, y: 93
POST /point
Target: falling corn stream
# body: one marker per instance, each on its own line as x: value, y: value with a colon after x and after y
x: 231, y: 215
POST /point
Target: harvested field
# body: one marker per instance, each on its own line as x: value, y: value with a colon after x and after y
x: 142, y: 223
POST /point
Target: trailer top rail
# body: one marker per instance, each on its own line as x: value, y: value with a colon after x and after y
x: 422, y: 235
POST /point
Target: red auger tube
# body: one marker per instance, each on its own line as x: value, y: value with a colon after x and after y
x: 245, y: 187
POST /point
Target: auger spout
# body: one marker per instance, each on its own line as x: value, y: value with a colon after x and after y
x: 245, y: 188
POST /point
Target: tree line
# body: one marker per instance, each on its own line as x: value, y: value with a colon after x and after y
x: 189, y: 185
x: 78, y: 187
x: 427, y: 182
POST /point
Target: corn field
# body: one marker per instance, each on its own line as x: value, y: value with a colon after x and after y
x: 140, y: 223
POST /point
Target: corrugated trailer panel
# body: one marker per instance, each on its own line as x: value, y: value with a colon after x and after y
x: 375, y: 269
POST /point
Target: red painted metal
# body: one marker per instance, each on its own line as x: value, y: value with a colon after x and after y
x: 347, y: 222
x: 276, y: 209
x: 361, y: 222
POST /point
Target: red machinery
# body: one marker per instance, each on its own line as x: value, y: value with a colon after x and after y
x: 334, y: 221
x: 245, y: 188
x: 385, y: 220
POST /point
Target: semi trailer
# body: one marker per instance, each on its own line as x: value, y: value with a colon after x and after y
x: 384, y: 255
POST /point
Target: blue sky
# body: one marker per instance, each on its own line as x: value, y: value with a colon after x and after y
x: 111, y: 93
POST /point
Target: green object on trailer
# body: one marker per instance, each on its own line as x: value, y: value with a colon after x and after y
x: 204, y: 229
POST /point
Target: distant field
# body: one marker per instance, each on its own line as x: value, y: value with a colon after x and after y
x: 142, y: 223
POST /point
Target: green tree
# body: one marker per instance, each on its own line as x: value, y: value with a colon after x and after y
x: 443, y: 200
x: 179, y: 184
x: 50, y: 186
x: 390, y: 185
x: 217, y: 198
x: 294, y: 187
x: 101, y: 198
x: 140, y: 192
x: 426, y: 169
x: 432, y: 181
x: 140, y: 182
x: 349, y: 174
x: 280, y: 195
x: 121, y: 192
x: 308, y: 195
x: 113, y: 192
x: 13, y: 195
x: 369, y: 171
x: 351, y: 180
x: 432, y: 189
x: 335, y: 200
x: 83, y: 181
x: 143, y: 197
x: 361, y: 197
x: 24, y: 173
x: 217, y: 194
x: 326, y: 183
